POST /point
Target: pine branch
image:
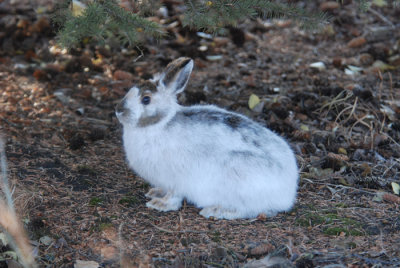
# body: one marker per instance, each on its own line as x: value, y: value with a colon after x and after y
x: 100, y: 20
x: 212, y: 15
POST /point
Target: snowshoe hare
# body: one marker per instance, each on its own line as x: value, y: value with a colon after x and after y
x: 221, y: 161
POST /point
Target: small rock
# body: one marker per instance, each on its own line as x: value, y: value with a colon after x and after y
x: 203, y: 48
x: 318, y: 65
x: 122, y: 75
x: 329, y: 5
x: 204, y: 35
x: 86, y: 264
x: 214, y: 57
x: 356, y: 42
x: 352, y: 70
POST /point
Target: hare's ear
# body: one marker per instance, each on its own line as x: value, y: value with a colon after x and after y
x: 176, y: 75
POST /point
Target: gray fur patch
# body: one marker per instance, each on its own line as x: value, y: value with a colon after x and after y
x: 232, y: 121
x: 245, y: 154
x: 263, y: 157
x: 145, y: 87
x: 150, y: 120
x: 256, y: 143
x: 203, y: 116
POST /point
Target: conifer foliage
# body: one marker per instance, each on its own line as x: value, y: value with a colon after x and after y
x: 99, y: 20
x: 213, y: 15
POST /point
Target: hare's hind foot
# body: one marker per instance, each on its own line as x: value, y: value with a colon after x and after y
x: 220, y: 213
x: 165, y: 203
x: 155, y: 193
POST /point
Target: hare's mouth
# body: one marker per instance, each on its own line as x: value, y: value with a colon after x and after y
x: 121, y: 112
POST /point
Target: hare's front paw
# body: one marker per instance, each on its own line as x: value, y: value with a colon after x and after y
x: 220, y: 213
x: 155, y: 193
x: 166, y: 203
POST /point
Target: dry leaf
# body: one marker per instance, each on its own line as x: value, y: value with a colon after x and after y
x: 342, y: 150
x: 357, y: 42
x: 253, y: 101
x: 396, y: 188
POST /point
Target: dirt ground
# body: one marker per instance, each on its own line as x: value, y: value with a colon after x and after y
x: 80, y: 202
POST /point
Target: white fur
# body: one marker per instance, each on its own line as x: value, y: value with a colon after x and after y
x: 212, y: 165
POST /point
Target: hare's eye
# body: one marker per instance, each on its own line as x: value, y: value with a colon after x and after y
x: 146, y: 100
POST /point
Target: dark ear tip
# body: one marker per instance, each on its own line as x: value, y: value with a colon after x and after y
x: 185, y: 60
x: 179, y: 62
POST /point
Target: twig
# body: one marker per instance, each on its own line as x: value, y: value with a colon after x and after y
x: 140, y: 56
x: 336, y: 100
x: 341, y: 186
x: 353, y: 108
x: 392, y: 263
x: 383, y: 18
x: 360, y: 120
